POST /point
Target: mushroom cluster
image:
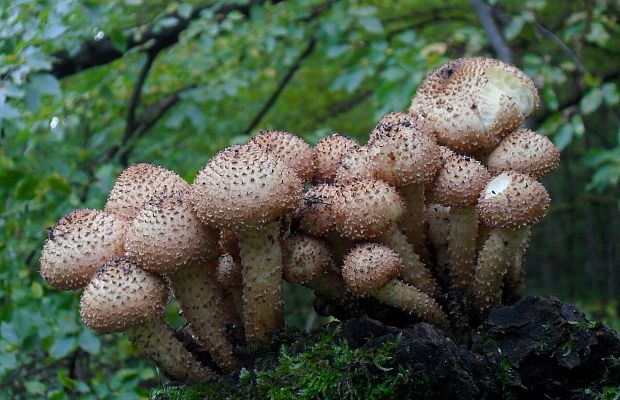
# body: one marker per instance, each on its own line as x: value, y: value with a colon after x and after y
x: 428, y: 221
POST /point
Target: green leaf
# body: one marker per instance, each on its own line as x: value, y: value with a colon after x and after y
x: 610, y: 93
x: 184, y: 10
x: 89, y: 342
x: 591, y: 101
x: 371, y: 24
x: 25, y: 189
x: 8, y: 361
x: 8, y: 333
x: 7, y: 111
x: 514, y: 27
x: 551, y: 100
x: 62, y: 346
x: 117, y: 37
x: 45, y: 83
x: 564, y: 136
x: 35, y: 387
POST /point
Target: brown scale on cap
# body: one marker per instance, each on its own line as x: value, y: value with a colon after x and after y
x: 289, y: 148
x: 167, y: 236
x: 391, y: 121
x: 458, y: 185
x: 123, y: 297
x: 510, y: 203
x: 78, y: 244
x: 137, y: 185
x: 372, y: 270
x: 355, y: 166
x: 247, y: 190
x: 329, y: 151
x: 525, y: 151
x: 472, y: 102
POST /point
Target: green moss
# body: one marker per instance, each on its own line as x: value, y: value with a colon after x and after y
x: 306, y: 369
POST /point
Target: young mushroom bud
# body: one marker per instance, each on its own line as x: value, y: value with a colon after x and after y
x: 137, y: 185
x: 78, y: 244
x: 121, y: 297
x: 509, y: 204
x: 472, y: 102
x: 288, y: 148
x: 167, y: 238
x: 329, y: 151
x: 247, y: 190
x: 458, y: 185
x: 372, y: 270
x: 228, y: 277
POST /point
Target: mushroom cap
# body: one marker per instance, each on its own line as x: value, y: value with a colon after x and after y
x: 288, y: 148
x: 525, y: 151
x: 78, y: 244
x: 166, y: 235
x: 228, y: 272
x: 404, y: 155
x: 367, y: 208
x: 329, y: 151
x: 243, y: 187
x: 306, y: 258
x: 472, y: 102
x: 438, y: 217
x: 459, y: 181
x: 121, y: 295
x: 390, y: 121
x: 137, y: 185
x: 355, y: 166
x: 317, y: 215
x: 368, y: 267
x: 512, y: 200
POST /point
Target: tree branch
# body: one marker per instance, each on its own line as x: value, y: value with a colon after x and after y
x: 485, y: 14
x: 93, y: 53
x: 136, y: 95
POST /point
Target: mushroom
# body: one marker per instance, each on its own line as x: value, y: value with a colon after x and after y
x: 288, y: 148
x: 458, y: 185
x: 372, y: 270
x: 78, y: 244
x: 247, y: 190
x: 407, y: 157
x: 329, y: 151
x: 121, y: 297
x: 228, y: 277
x: 137, y: 185
x: 167, y: 238
x: 509, y: 204
x: 392, y: 120
x: 355, y: 166
x: 472, y: 102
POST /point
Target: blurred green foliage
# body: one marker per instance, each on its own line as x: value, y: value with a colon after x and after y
x: 311, y: 67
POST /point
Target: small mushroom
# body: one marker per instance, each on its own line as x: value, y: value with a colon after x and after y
x: 372, y: 270
x: 78, y: 244
x: 228, y: 277
x: 329, y: 151
x: 509, y: 204
x: 290, y: 149
x: 121, y: 297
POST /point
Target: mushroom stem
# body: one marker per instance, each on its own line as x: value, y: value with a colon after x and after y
x: 493, y: 261
x: 515, y: 277
x: 261, y: 269
x: 413, y: 220
x: 462, y: 245
x: 414, y: 271
x: 156, y: 339
x: 405, y: 297
x: 202, y: 303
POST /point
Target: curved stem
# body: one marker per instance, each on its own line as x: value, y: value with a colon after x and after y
x: 156, y: 339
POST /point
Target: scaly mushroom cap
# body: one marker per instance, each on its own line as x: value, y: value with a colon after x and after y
x: 368, y: 267
x: 306, y: 258
x: 438, y: 218
x: 404, y: 155
x: 329, y: 151
x: 390, y: 121
x: 243, y: 187
x: 525, y: 151
x: 137, y: 185
x: 78, y: 244
x: 290, y: 149
x: 472, y: 102
x: 228, y: 272
x: 167, y: 236
x: 356, y: 166
x: 121, y: 295
x: 459, y: 181
x: 317, y: 215
x: 366, y: 208
x: 512, y: 200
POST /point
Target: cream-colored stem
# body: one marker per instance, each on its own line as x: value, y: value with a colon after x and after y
x: 414, y: 271
x: 515, y: 277
x: 261, y: 269
x: 462, y: 246
x: 410, y: 299
x: 155, y: 338
x: 201, y: 302
x: 493, y: 262
x: 413, y: 221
